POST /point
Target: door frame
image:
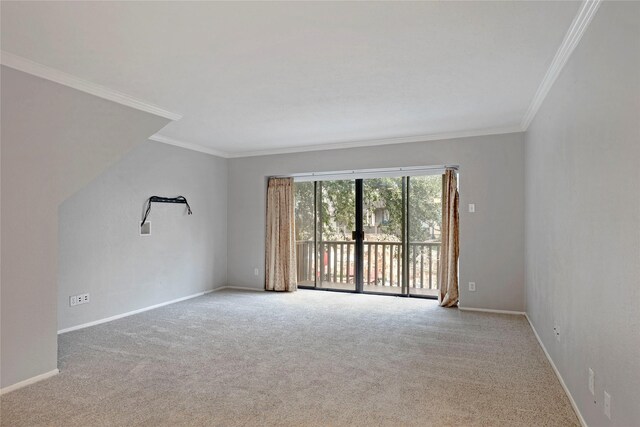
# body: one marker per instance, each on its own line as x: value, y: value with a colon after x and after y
x: 359, y: 238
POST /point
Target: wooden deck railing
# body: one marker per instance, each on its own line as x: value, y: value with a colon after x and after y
x: 382, y: 263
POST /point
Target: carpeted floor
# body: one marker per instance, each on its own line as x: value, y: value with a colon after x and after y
x: 237, y: 358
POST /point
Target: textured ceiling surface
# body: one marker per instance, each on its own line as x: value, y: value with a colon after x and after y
x: 262, y: 76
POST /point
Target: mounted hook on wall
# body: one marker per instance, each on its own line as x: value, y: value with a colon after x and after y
x: 159, y: 199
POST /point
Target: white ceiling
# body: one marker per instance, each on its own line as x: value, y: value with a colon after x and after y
x: 250, y: 77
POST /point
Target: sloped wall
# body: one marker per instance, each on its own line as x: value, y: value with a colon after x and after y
x: 54, y: 141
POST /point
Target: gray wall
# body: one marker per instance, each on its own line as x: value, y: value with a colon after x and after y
x: 491, y: 176
x: 583, y: 217
x: 102, y: 252
x: 54, y: 141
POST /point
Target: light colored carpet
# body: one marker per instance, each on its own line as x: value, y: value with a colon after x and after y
x: 235, y: 358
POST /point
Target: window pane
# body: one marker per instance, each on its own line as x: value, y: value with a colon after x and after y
x: 304, y: 233
x: 382, y: 225
x: 425, y: 217
x: 336, y: 220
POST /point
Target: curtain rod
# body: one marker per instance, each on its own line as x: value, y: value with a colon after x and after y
x: 368, y: 171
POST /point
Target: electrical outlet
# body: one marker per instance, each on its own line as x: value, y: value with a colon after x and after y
x: 592, y: 382
x: 607, y: 404
x: 472, y: 207
x: 78, y: 299
x: 472, y: 286
x: 256, y: 272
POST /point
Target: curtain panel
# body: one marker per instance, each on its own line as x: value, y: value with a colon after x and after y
x: 280, y: 271
x: 448, y: 263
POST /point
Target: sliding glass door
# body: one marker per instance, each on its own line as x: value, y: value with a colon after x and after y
x: 372, y: 235
x: 424, y: 207
x: 305, y: 217
x: 383, y: 225
x: 336, y: 218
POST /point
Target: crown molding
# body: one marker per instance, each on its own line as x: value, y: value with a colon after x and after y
x: 335, y: 146
x: 27, y: 66
x: 189, y: 146
x: 374, y: 142
x: 571, y: 40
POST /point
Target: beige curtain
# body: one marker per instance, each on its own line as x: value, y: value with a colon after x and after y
x: 448, y: 263
x: 281, y: 245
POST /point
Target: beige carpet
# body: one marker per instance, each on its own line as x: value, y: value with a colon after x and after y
x: 235, y: 358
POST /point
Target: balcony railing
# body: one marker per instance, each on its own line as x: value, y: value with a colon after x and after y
x: 382, y: 264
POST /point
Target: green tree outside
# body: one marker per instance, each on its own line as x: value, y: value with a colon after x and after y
x: 337, y: 208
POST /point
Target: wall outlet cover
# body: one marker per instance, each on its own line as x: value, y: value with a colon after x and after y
x: 472, y: 286
x: 78, y: 299
x: 145, y: 229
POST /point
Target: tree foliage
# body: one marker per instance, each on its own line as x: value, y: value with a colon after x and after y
x: 336, y: 208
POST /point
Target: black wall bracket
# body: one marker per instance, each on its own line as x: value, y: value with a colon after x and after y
x: 159, y: 199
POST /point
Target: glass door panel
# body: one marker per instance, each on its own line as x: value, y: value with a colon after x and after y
x: 424, y: 221
x: 336, y: 218
x: 382, y: 223
x: 305, y: 229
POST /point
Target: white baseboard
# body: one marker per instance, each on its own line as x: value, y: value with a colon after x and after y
x: 553, y: 365
x: 29, y: 381
x: 488, y: 310
x: 240, y: 288
x: 130, y: 313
